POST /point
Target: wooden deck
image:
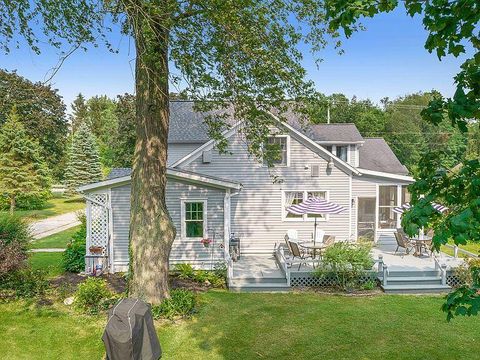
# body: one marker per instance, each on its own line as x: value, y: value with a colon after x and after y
x: 406, y: 273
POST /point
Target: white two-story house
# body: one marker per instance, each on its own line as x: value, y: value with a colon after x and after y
x: 211, y: 195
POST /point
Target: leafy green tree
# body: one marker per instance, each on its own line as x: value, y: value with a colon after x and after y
x: 410, y: 135
x: 22, y: 169
x: 244, y: 54
x: 124, y: 139
x: 102, y: 121
x: 41, y: 111
x: 451, y: 26
x: 83, y: 163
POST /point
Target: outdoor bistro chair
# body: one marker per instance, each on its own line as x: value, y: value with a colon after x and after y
x: 403, y: 242
x: 296, y: 253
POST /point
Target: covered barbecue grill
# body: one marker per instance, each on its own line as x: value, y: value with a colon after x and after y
x: 130, y: 334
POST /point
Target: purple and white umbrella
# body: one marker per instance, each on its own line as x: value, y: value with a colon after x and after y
x: 315, y: 206
x: 401, y: 209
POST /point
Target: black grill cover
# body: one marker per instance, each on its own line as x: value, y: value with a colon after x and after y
x: 130, y: 333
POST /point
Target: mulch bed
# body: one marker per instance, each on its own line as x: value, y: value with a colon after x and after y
x: 187, y: 284
x: 116, y: 283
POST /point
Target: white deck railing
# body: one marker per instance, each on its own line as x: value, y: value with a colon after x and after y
x: 457, y: 250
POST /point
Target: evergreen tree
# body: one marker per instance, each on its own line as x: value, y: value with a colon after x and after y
x: 23, y: 171
x: 80, y: 113
x: 83, y: 164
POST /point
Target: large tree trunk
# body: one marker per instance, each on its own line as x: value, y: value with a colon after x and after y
x: 151, y: 229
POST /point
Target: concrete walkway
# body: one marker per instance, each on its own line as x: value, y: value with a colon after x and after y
x: 48, y: 250
x: 53, y: 225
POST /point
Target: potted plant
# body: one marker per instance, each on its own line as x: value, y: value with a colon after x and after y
x: 206, y: 242
x: 95, y: 250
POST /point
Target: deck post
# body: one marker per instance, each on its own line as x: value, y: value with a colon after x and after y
x: 455, y: 251
x: 385, y: 274
x: 444, y: 274
x: 380, y: 263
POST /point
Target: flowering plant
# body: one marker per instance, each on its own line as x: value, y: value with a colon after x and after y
x: 206, y: 242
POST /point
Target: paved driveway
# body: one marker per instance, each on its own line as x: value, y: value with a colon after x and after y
x: 54, y: 224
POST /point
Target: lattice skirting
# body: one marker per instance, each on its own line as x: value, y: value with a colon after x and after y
x: 306, y: 279
x: 454, y: 280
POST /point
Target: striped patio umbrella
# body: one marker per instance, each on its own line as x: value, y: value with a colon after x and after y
x: 401, y: 209
x: 315, y: 206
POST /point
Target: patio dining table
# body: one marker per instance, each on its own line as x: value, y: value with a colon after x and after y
x: 314, y: 246
x: 419, y: 243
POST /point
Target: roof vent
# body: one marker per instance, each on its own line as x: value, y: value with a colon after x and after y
x: 207, y: 157
x: 315, y: 170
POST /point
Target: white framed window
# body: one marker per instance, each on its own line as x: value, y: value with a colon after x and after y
x: 194, y: 219
x: 293, y: 197
x: 342, y: 152
x: 387, y: 200
x: 283, y: 144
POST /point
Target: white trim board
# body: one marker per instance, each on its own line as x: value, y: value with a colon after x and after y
x: 171, y: 173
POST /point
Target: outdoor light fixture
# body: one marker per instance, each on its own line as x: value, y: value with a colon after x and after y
x: 330, y: 163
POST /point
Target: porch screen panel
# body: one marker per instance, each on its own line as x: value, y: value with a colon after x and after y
x: 387, y: 200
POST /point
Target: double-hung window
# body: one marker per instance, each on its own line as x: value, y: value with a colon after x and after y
x: 194, y: 218
x: 296, y: 197
x: 279, y: 146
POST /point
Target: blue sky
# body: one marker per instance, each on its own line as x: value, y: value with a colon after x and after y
x: 388, y: 59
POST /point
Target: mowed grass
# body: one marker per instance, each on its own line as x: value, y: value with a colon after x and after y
x: 262, y: 326
x: 58, y: 240
x: 473, y: 247
x: 51, y: 262
x: 54, y: 206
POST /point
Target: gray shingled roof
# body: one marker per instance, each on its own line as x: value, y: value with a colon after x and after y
x: 376, y: 155
x: 187, y: 125
x: 118, y: 172
x: 334, y: 132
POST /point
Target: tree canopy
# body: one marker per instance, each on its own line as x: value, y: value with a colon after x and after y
x: 41, y: 111
x: 23, y: 173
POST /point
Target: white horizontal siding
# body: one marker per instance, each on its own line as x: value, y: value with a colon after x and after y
x: 183, y: 250
x: 178, y: 151
x: 257, y: 209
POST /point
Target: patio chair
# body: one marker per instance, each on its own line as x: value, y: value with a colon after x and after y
x: 296, y: 253
x: 403, y: 242
x: 328, y: 239
x: 287, y: 241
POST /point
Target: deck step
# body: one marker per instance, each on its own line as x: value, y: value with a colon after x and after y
x: 413, y: 273
x: 416, y: 289
x: 406, y: 280
x: 263, y: 287
x: 259, y: 280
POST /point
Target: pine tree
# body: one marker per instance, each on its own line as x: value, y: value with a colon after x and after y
x: 22, y: 169
x: 80, y: 113
x: 83, y: 163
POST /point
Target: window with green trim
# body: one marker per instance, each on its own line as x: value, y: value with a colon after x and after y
x: 194, y: 219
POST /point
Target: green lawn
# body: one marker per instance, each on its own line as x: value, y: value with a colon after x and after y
x: 50, y: 262
x: 55, y: 206
x: 263, y: 326
x: 473, y: 247
x: 58, y: 240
